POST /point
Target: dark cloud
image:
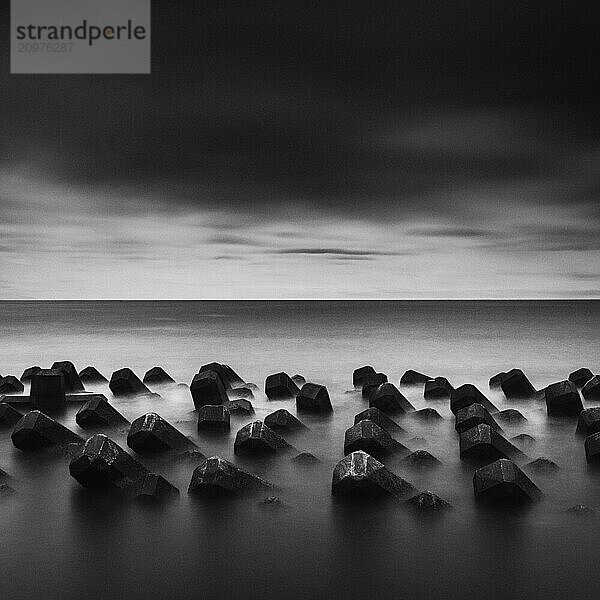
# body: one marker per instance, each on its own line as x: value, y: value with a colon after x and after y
x: 320, y: 105
x: 228, y: 257
x: 550, y: 238
x: 337, y: 252
x: 454, y: 232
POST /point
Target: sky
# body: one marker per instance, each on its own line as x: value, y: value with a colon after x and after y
x: 414, y: 149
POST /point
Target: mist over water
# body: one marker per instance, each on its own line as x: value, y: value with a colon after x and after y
x: 62, y: 541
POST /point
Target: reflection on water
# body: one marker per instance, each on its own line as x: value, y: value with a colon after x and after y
x: 61, y: 541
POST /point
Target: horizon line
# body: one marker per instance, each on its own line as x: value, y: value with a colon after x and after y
x: 452, y: 299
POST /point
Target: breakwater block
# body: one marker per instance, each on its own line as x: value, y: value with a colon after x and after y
x: 503, y: 481
x: 36, y: 431
x: 103, y: 463
x: 150, y: 433
x: 388, y: 398
x: 280, y: 386
x: 483, y: 442
x: 207, y: 388
x: 217, y: 476
x: 283, y: 420
x: 97, y: 412
x: 257, y: 438
x: 125, y: 382
x: 214, y: 417
x: 73, y: 383
x: 372, y: 439
x: 359, y: 475
x: 313, y: 398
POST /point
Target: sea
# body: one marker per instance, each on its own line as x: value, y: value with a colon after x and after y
x: 61, y: 541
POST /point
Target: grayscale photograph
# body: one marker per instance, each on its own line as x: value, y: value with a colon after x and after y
x: 299, y: 300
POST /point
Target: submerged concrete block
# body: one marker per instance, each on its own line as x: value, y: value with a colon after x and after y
x: 591, y: 390
x: 228, y: 376
x: 360, y: 475
x: 510, y: 415
x: 428, y: 502
x: 313, y: 398
x: 280, y: 386
x: 562, y: 399
x: 473, y: 415
x: 48, y: 390
x: 468, y: 394
x: 9, y: 416
x: 411, y: 377
x: 496, y: 381
x: 36, y: 431
x: 360, y: 374
x: 515, y: 385
x: 299, y: 380
x: 240, y: 408
x: 592, y: 448
x: 388, y: 398
x: 524, y: 440
x: 97, y: 412
x: 581, y: 511
x: 503, y: 481
x: 103, y: 463
x: 157, y: 376
x: 283, y: 420
x: 543, y: 466
x: 10, y: 385
x: 207, y: 388
x: 152, y: 488
x: 437, y: 388
x: 371, y: 382
x: 92, y: 375
x: 150, y: 433
x: 379, y: 417
x: 244, y: 393
x: 217, y: 369
x: 29, y: 373
x: 234, y: 379
x: 483, y: 442
x: 257, y: 438
x: 6, y: 490
x: 372, y: 439
x: 272, y: 502
x: 580, y: 377
x: 125, y: 382
x: 589, y: 421
x: 213, y: 417
x: 72, y: 381
x: 421, y: 459
x: 217, y: 476
x: 305, y: 459
x: 427, y: 415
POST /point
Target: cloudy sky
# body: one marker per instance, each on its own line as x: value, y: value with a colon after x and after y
x: 414, y: 149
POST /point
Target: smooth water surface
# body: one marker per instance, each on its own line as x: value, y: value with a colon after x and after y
x: 61, y: 541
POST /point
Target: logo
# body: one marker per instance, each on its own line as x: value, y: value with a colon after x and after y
x: 80, y: 36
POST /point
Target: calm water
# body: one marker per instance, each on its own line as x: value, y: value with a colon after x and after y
x: 60, y: 541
